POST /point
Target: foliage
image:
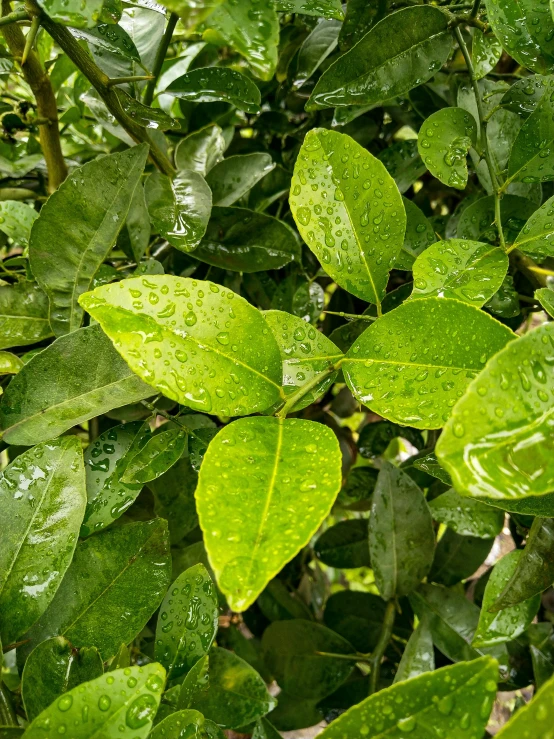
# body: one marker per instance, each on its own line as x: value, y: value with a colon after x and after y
x: 276, y: 368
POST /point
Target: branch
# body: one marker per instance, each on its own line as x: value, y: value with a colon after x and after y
x: 160, y: 57
x: 382, y: 644
x: 40, y: 84
x: 20, y: 15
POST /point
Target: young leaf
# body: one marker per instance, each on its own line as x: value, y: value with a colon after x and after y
x: 507, y: 624
x: 189, y: 724
x: 201, y: 150
x: 530, y: 162
x: 159, y: 453
x: 465, y: 270
x: 513, y: 394
x: 452, y: 699
x: 214, y: 84
x: 16, y: 221
x: 23, y: 315
x: 344, y: 545
x: 235, y: 176
x: 121, y: 703
x: 545, y: 296
x: 466, y: 516
x: 53, y: 668
x: 357, y: 229
x: 42, y: 497
x: 73, y: 12
x: 533, y: 719
x: 213, y: 365
x: 118, y: 567
x: 399, y: 563
x: 402, y: 51
x: 187, y: 623
x: 535, y: 238
x: 180, y: 208
x: 416, y: 381
x: 444, y: 141
x: 273, y: 467
x: 57, y: 388
x: 418, y: 656
x: 78, y: 226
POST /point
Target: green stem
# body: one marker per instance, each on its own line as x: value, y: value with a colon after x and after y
x: 158, y: 412
x: 358, y: 657
x: 350, y: 316
x: 9, y: 18
x: 475, y: 9
x: 160, y: 58
x: 382, y: 644
x: 113, y: 81
x: 30, y: 39
x: 293, y: 399
x: 7, y: 712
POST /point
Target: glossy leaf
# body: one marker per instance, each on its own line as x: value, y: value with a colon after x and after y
x: 134, y: 237
x: 180, y: 208
x: 418, y: 656
x: 477, y: 222
x: 419, y: 235
x: 465, y: 270
x: 545, y: 296
x: 23, y: 315
x: 274, y: 466
x: 73, y: 12
x: 214, y: 84
x: 101, y: 584
x: 486, y: 51
x: 416, y: 382
x: 196, y: 680
x: 533, y: 719
x: 513, y: 393
x: 127, y: 698
x: 111, y: 39
x: 344, y: 545
x: 232, y: 178
x: 77, y: 228
x: 361, y: 232
x: 324, y: 8
x: 153, y: 118
x: 318, y: 45
x: 42, y: 495
x: 458, y: 557
x: 403, y: 163
x: 430, y: 465
x: 466, y: 516
x: 174, y: 493
x: 201, y: 150
x: 405, y: 49
x: 10, y: 364
x: 187, y: 622
x: 444, y: 141
x: 189, y: 724
x: 16, y: 221
x: 360, y: 16
x: 265, y: 730
x: 56, y: 389
x: 233, y: 376
x: 535, y: 238
x: 529, y: 162
x: 159, y: 453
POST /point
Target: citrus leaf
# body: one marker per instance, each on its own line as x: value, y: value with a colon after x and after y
x: 458, y: 557
x: 73, y: 12
x: 344, y: 545
x: 466, y: 516
x: 444, y: 141
x: 215, y: 84
x: 360, y: 16
x: 16, y: 221
x: 196, y: 679
x: 160, y: 452
x: 201, y: 150
x: 317, y: 46
x: 273, y: 466
x: 324, y: 8
x: 528, y: 161
x: 533, y: 719
x: 106, y: 37
x: 10, y: 364
x: 545, y: 296
x: 233, y: 376
x: 535, y: 238
x: 418, y: 656
x: 232, y: 178
x: 486, y: 51
x: 419, y: 235
x: 23, y: 315
x: 186, y: 723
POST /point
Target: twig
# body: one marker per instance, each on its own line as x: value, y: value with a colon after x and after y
x: 30, y: 39
x: 293, y: 399
x: 160, y: 58
x: 113, y: 81
x: 382, y: 644
x: 9, y: 18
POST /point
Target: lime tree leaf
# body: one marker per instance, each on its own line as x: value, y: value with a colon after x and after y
x: 160, y: 452
x: 236, y: 695
x: 53, y: 668
x: 526, y: 30
x: 291, y: 650
x: 360, y: 16
x: 78, y: 226
x: 532, y: 154
x: 180, y: 208
x: 305, y: 352
x: 16, y: 220
x: 416, y: 381
x: 235, y: 176
x: 273, y: 467
x: 344, y: 545
x: 536, y: 237
x: 349, y: 212
x: 507, y: 624
x: 486, y: 51
x: 419, y: 235
x: 466, y: 516
x: 535, y: 718
x: 180, y: 724
x: 358, y: 617
x: 23, y: 315
x: 122, y: 699
x: 444, y: 141
x: 452, y: 698
x: 110, y: 571
x: 265, y: 730
x: 477, y: 222
x: 232, y: 375
x: 153, y: 118
x: 42, y: 496
x: 187, y: 622
x: 243, y: 240
x: 106, y: 37
x: 418, y: 656
x: 73, y: 13
x: 496, y: 444
x: 317, y: 46
x: 545, y: 296
x: 399, y: 563
x: 323, y: 8
x: 134, y: 237
x: 201, y: 150
x: 402, y: 51
x: 217, y: 84
x: 458, y: 557
x: 468, y: 271
x: 403, y: 163
x: 57, y: 390
x: 429, y: 464
x: 196, y: 679
x: 174, y: 494
x: 10, y: 364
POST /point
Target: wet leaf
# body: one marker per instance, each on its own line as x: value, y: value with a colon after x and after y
x: 529, y: 162
x: 360, y: 16
x: 444, y: 141
x: 458, y: 557
x: 418, y: 656
x: 232, y: 178
x: 430, y: 465
x: 196, y: 680
x: 419, y: 235
x: 466, y: 516
x: 201, y: 150
x: 189, y: 724
x: 477, y: 222
x: 403, y: 163
x: 344, y: 545
x: 106, y: 37
x: 159, y: 453
x: 317, y: 46
x: 16, y: 221
x: 535, y: 238
x: 134, y: 237
x: 324, y: 8
x: 276, y: 466
x: 23, y: 315
x: 215, y: 84
x: 485, y: 51
x: 174, y: 494
x: 533, y: 718
x: 545, y: 296
x: 73, y: 12
x: 10, y: 364
x: 541, y: 646
x: 265, y: 730
x: 153, y: 118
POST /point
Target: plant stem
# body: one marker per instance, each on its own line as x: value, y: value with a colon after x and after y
x: 475, y: 9
x: 484, y: 141
x: 113, y: 81
x: 293, y: 399
x: 7, y: 712
x: 9, y: 18
x: 358, y: 657
x: 160, y: 58
x: 47, y: 108
x: 30, y: 39
x: 382, y: 644
x: 350, y: 316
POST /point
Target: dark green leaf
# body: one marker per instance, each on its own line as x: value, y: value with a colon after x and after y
x: 153, y: 118
x: 321, y: 42
x: 265, y: 730
x: 528, y: 161
x: 430, y: 465
x: 344, y: 545
x: 134, y: 237
x: 444, y: 142
x: 535, y: 238
x: 73, y: 12
x: 403, y: 163
x: 201, y: 150
x: 418, y: 656
x: 477, y: 222
x: 324, y: 8
x: 174, y: 495
x: 196, y: 680
x: 232, y: 178
x: 360, y: 16
x: 486, y: 51
x: 23, y: 315
x: 541, y: 646
x: 214, y: 84
x: 188, y: 723
x: 159, y: 453
x: 466, y: 516
x: 419, y: 235
x: 106, y: 37
x: 374, y: 438
x: 458, y: 557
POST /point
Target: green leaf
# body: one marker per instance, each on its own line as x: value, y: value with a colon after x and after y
x: 324, y: 8
x: 430, y: 465
x: 533, y: 719
x: 159, y: 453
x: 73, y: 13
x: 232, y: 178
x: 265, y: 730
x: 444, y: 141
x: 416, y: 381
x: 419, y: 235
x: 56, y: 389
x: 526, y: 30
x: 486, y: 51
x: 454, y: 698
x: 134, y: 237
x: 153, y: 118
x: 541, y: 646
x: 458, y: 557
x: 357, y: 230
x: 42, y: 497
x: 236, y: 695
x: 403, y: 163
x: 507, y: 624
x: 477, y: 222
x: 76, y: 229
x: 274, y: 467
x: 293, y: 652
x: 16, y: 221
x: 402, y: 51
x: 180, y: 208
x: 174, y: 495
x: 125, y: 569
x: 217, y: 84
x: 233, y: 376
x: 399, y: 563
x: 189, y: 724
x: 10, y: 364
x: 197, y: 679
x: 52, y: 669
x: 187, y: 622
x: 469, y: 271
x: 418, y: 656
x: 23, y: 315
x: 315, y: 48
x: 528, y: 161
x: 535, y: 238
x: 545, y: 296
x: 360, y: 16
x: 123, y: 699
x: 243, y: 240
x: 344, y: 545
x: 305, y: 352
x: 201, y: 150
x: 513, y: 394
x: 466, y: 516
x: 106, y: 37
